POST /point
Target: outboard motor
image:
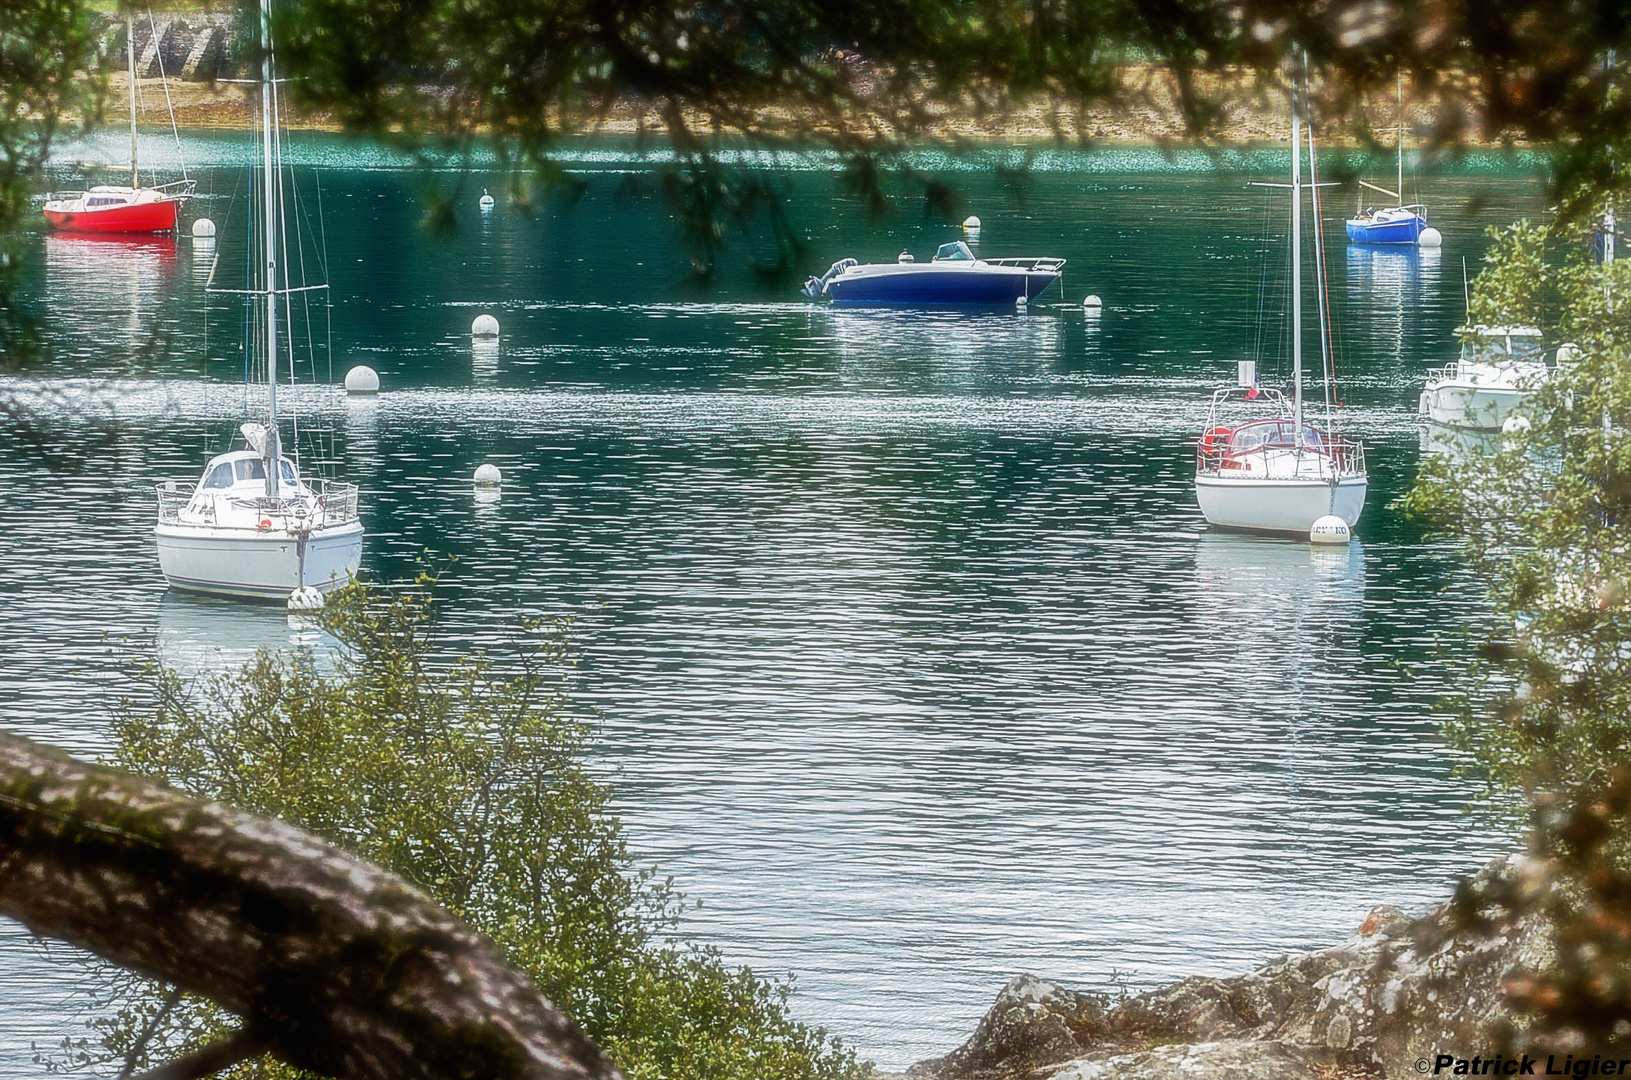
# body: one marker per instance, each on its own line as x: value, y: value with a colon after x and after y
x: 818, y: 286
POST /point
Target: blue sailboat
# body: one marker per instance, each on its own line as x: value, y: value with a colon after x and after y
x: 1400, y: 224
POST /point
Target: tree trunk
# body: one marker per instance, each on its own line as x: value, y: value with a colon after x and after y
x: 336, y: 966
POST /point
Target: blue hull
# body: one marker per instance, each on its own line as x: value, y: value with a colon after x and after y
x: 1387, y: 232
x: 922, y: 287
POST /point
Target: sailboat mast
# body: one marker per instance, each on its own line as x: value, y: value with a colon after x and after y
x: 1400, y: 188
x: 1609, y: 225
x: 1321, y: 300
x: 269, y: 225
x: 130, y: 60
x: 1296, y: 263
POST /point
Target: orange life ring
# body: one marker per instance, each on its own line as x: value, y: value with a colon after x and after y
x: 1215, y: 439
x: 266, y: 523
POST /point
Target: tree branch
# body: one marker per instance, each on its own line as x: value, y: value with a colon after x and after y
x: 336, y: 966
x: 222, y: 1054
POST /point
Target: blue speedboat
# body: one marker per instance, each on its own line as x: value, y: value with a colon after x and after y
x: 955, y: 277
x: 1394, y: 225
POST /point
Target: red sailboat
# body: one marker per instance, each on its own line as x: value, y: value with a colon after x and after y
x: 118, y: 209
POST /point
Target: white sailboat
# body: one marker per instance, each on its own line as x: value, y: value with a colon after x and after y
x: 1263, y: 465
x: 251, y: 526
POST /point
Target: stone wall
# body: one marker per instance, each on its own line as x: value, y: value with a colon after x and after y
x: 195, y: 47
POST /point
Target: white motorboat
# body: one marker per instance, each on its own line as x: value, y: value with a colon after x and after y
x: 1263, y: 465
x: 953, y: 278
x: 251, y: 526
x: 1499, y: 370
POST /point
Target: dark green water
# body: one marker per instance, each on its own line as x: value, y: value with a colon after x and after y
x: 913, y: 656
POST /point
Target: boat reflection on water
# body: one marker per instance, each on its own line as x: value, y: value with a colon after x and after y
x: 1460, y: 443
x: 1393, y: 271
x: 1394, y: 289
x: 107, y: 257
x: 201, y: 637
x: 84, y: 267
x: 106, y: 291
x: 876, y: 342
x: 1277, y: 613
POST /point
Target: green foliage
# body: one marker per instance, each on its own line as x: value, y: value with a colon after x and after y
x: 466, y: 775
x: 1546, y: 519
x: 42, y: 45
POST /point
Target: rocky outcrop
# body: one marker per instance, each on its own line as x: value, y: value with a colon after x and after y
x: 1396, y: 992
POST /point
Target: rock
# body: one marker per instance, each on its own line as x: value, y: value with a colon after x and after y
x: 1233, y: 1060
x: 1031, y: 1023
x: 1396, y: 991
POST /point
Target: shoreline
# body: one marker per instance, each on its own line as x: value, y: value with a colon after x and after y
x: 221, y: 106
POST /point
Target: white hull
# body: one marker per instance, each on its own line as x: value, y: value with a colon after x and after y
x: 1480, y: 408
x: 270, y: 564
x: 1289, y: 506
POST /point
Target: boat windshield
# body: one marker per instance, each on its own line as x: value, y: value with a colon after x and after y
x: 1270, y: 433
x: 244, y: 470
x: 1498, y: 342
x: 956, y: 251
x: 219, y: 477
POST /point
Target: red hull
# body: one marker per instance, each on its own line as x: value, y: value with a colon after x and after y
x: 143, y: 217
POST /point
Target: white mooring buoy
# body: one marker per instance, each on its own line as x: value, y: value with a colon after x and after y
x: 971, y: 224
x: 203, y: 227
x: 1021, y: 303
x: 486, y: 200
x: 487, y: 475
x: 362, y: 379
x: 1091, y: 300
x: 1430, y: 238
x: 484, y: 326
x: 306, y: 599
x: 1330, y: 529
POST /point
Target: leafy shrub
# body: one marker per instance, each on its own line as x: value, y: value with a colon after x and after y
x: 467, y: 775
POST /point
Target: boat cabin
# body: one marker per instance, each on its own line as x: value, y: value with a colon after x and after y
x: 956, y: 251
x: 1258, y: 434
x: 109, y: 196
x: 1382, y: 215
x: 243, y: 473
x: 1500, y: 342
